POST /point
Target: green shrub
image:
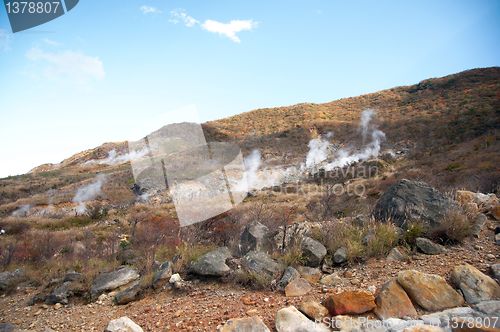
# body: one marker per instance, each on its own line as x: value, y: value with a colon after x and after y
x: 413, y: 229
x: 384, y: 237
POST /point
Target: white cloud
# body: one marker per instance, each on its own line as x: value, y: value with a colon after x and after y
x: 51, y: 42
x: 4, y: 40
x: 149, y: 10
x: 67, y: 64
x: 230, y: 29
x: 180, y: 16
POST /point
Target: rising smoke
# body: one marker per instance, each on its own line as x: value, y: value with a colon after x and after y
x: 114, y: 158
x: 320, y: 151
x: 88, y: 192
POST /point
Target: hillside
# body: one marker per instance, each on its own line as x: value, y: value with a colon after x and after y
x: 371, y: 206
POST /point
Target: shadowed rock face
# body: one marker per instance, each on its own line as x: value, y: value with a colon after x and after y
x: 111, y: 280
x: 212, y: 263
x: 407, y: 200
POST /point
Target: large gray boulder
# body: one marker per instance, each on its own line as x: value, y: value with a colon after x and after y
x: 412, y: 200
x: 475, y: 285
x: 109, y: 281
x: 10, y: 280
x: 255, y: 237
x: 313, y: 251
x: 212, y: 263
x: 262, y: 264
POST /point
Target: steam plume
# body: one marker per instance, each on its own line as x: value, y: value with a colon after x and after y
x: 88, y: 192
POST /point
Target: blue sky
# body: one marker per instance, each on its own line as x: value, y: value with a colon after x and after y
x: 115, y: 70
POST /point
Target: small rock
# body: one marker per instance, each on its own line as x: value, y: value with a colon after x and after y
x: 298, y: 287
x: 291, y: 320
x: 397, y: 254
x: 212, y: 263
x: 428, y: 247
x: 311, y: 274
x: 331, y: 280
x: 312, y: 251
x: 123, y: 324
x: 175, y: 278
x: 340, y: 255
x: 350, y: 302
x: 112, y: 280
x: 314, y: 310
x: 163, y: 274
x: 289, y: 275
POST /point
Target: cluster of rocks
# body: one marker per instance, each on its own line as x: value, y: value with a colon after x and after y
x: 394, y: 304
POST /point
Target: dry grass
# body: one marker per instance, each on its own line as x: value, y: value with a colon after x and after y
x: 454, y: 228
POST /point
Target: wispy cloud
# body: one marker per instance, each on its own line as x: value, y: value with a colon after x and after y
x: 180, y: 16
x: 229, y: 29
x: 67, y: 64
x: 4, y: 40
x: 51, y: 42
x: 149, y: 10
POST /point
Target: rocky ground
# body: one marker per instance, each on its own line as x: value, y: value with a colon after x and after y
x: 210, y: 304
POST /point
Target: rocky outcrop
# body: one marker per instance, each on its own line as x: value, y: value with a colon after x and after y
x: 429, y: 291
x: 428, y: 247
x: 297, y: 287
x: 212, y: 263
x: 109, y: 281
x: 393, y: 302
x: 291, y: 320
x: 313, y: 251
x: 475, y: 285
x: 350, y: 302
x: 123, y: 324
x: 248, y: 324
x: 255, y: 237
x: 412, y: 200
x: 289, y: 275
